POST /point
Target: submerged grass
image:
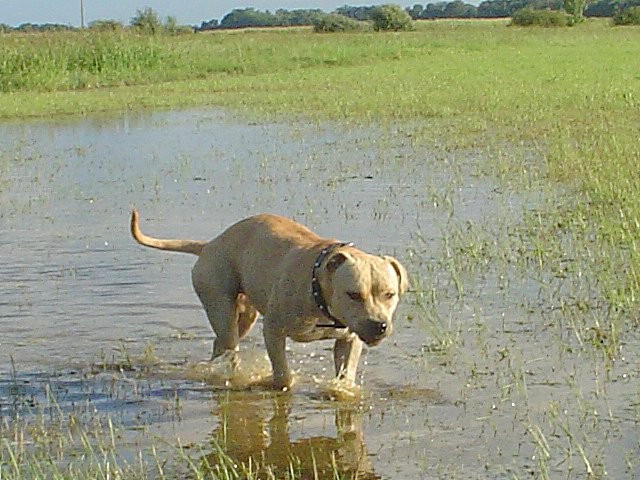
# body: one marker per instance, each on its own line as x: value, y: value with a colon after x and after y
x: 56, y: 445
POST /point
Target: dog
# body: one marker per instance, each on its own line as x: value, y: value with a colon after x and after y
x: 306, y: 287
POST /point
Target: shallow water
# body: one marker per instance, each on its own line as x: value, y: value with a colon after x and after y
x: 110, y: 328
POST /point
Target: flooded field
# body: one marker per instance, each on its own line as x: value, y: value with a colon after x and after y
x: 499, y: 366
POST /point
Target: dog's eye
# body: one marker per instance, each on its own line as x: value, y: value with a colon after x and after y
x: 355, y: 296
x: 388, y: 295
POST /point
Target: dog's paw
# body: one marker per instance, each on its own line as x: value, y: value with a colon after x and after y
x: 283, y: 382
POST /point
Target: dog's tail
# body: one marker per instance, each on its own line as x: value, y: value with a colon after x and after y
x: 185, y: 246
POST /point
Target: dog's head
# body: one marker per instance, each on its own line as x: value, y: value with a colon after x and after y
x: 363, y: 291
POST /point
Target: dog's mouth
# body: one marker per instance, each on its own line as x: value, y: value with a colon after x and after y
x: 372, y: 332
x: 372, y: 342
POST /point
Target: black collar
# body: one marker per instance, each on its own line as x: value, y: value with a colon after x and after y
x: 316, y: 290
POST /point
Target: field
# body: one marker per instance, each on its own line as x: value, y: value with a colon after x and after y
x: 506, y: 166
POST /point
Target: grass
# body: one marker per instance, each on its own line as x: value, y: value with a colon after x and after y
x: 45, y: 442
x: 69, y: 450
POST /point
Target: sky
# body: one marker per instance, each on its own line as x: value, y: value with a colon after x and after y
x: 188, y: 12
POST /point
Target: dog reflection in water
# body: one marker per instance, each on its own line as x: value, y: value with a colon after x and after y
x: 260, y: 432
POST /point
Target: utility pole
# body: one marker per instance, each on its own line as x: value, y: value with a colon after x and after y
x: 82, y: 14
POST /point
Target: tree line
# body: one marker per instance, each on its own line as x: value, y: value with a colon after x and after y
x: 145, y: 20
x: 250, y: 17
x: 148, y: 21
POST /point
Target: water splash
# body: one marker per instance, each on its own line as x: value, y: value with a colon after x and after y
x: 233, y: 370
x: 337, y: 389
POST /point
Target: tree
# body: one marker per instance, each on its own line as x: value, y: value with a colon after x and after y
x: 433, y: 10
x: 147, y: 21
x: 357, y: 13
x: 391, y: 17
x: 459, y: 9
x: 608, y: 8
x: 247, y: 17
x: 575, y: 8
x: 210, y: 25
x: 416, y: 11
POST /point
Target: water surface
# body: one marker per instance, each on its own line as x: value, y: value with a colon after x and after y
x: 480, y: 359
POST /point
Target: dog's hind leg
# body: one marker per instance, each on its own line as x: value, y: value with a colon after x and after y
x: 218, y: 293
x: 346, y: 355
x: 224, y: 321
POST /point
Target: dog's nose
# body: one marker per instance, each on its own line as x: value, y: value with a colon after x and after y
x: 372, y: 332
x: 379, y: 327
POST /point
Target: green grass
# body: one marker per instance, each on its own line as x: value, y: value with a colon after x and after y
x: 74, y: 61
x: 37, y: 448
x: 51, y: 444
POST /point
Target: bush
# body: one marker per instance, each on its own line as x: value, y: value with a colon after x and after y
x: 575, y: 8
x: 334, y: 22
x: 391, y: 17
x: 528, y: 17
x: 106, y: 26
x: 147, y: 21
x: 172, y: 27
x: 628, y: 16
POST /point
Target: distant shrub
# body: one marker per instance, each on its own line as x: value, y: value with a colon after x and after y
x: 172, y: 27
x: 527, y: 17
x: 334, y: 22
x: 391, y: 17
x: 628, y: 16
x: 43, y: 27
x: 147, y: 21
x: 106, y: 25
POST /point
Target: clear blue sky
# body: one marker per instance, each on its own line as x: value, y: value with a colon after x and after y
x: 193, y: 12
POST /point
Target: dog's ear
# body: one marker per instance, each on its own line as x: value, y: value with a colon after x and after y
x: 403, y: 278
x: 335, y: 260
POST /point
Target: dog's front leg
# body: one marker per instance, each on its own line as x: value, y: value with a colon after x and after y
x: 346, y: 354
x: 275, y: 340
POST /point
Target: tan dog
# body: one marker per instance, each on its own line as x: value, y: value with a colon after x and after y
x: 307, y: 288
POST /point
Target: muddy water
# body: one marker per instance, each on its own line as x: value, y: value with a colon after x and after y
x: 480, y: 373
